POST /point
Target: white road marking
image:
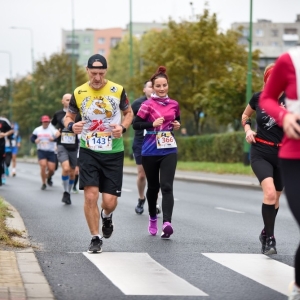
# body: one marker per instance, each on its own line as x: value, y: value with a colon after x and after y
x: 259, y: 268
x: 230, y: 210
x: 139, y: 274
x: 126, y: 190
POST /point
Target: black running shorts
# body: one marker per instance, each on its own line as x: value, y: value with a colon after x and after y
x: 266, y: 165
x: 48, y: 155
x: 102, y: 170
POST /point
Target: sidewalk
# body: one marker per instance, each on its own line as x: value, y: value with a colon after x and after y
x: 21, y: 277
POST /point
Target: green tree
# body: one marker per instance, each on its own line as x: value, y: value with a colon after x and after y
x: 196, y: 55
x: 51, y: 80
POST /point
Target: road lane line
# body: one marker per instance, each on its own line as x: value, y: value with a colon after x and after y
x: 230, y: 210
x: 126, y: 190
x: 139, y: 274
x: 258, y: 267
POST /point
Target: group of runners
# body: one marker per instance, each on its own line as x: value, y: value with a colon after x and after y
x: 96, y: 115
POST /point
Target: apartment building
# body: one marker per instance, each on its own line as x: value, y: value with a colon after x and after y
x: 90, y: 41
x: 272, y: 39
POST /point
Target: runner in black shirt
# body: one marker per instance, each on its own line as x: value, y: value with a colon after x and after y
x: 67, y: 148
x: 5, y: 130
x: 265, y: 145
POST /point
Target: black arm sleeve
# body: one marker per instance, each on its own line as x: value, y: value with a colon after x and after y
x: 140, y: 123
x: 54, y: 120
x: 178, y: 119
x: 33, y: 138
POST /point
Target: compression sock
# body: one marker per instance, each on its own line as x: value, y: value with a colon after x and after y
x: 269, y: 214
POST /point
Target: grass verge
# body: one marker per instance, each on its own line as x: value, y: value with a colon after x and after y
x: 7, y: 234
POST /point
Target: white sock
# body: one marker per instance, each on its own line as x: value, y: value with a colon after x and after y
x: 98, y: 235
x: 104, y: 215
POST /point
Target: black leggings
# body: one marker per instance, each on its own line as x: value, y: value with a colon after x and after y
x: 160, y: 172
x: 291, y: 174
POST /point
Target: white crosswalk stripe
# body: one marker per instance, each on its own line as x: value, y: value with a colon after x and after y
x: 138, y: 273
x: 257, y: 267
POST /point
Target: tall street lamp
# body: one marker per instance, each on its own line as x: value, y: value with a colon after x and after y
x: 10, y: 83
x: 31, y: 39
x: 130, y: 67
x: 249, y: 81
x: 73, y: 48
x: 32, y: 61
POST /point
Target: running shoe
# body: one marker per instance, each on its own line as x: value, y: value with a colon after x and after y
x: 263, y: 240
x: 152, y: 227
x: 43, y: 187
x: 270, y: 246
x: 167, y: 230
x: 107, y: 226
x: 158, y: 209
x: 75, y: 191
x: 49, y: 181
x: 66, y: 198
x: 3, y: 180
x: 294, y: 291
x: 139, y: 209
x: 95, y: 245
x: 14, y: 174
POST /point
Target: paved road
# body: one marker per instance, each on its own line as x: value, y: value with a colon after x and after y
x: 214, y: 253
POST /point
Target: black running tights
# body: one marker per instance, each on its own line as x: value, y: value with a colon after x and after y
x: 160, y: 172
x: 291, y: 174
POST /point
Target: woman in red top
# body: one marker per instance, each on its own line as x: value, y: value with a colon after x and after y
x: 286, y: 77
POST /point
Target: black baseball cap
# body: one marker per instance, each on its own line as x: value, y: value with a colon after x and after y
x: 97, y: 58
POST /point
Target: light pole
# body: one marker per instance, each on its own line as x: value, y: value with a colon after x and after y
x: 193, y: 14
x: 10, y: 83
x: 130, y: 68
x: 32, y: 55
x: 31, y: 41
x: 73, y: 48
x: 249, y: 81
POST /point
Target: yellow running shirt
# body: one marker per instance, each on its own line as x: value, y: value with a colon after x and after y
x: 99, y: 109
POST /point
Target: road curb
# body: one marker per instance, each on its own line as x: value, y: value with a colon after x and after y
x: 34, y: 283
x: 214, y: 181
x: 189, y: 178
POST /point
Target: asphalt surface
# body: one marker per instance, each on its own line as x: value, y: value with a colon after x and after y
x: 47, y: 260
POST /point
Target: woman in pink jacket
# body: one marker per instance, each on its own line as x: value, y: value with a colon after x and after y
x: 286, y: 77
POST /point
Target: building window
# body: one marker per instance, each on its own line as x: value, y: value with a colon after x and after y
x: 114, y: 42
x: 86, y: 52
x: 274, y: 44
x: 86, y: 40
x: 259, y: 43
x: 101, y: 51
x: 69, y: 39
x: 101, y: 40
x: 259, y: 32
x: 245, y: 32
x: 274, y: 32
x: 290, y: 30
x: 290, y: 43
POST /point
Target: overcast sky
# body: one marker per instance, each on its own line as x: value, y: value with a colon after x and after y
x: 46, y: 19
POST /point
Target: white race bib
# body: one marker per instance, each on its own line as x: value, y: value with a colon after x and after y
x: 165, y: 139
x: 44, y: 145
x: 67, y: 138
x: 99, y: 141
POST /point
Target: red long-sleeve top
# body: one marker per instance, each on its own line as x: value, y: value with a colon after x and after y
x: 282, y: 79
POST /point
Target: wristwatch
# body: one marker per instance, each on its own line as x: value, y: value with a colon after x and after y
x: 124, y: 128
